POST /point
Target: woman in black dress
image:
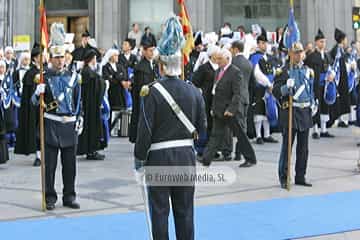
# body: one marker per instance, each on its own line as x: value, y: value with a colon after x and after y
x: 91, y: 139
x: 117, y: 77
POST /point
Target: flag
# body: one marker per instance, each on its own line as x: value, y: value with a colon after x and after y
x: 187, y: 30
x: 292, y: 32
x: 43, y: 28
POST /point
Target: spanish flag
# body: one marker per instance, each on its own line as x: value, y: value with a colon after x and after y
x: 43, y: 28
x: 187, y: 29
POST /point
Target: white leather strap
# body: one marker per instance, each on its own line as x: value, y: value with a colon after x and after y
x: 175, y: 107
x: 172, y: 144
x: 62, y: 119
x: 301, y: 105
x: 299, y: 92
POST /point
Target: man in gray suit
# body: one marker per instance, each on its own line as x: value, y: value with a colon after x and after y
x: 240, y: 61
x: 226, y: 109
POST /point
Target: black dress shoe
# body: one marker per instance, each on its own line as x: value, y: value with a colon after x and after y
x: 270, y: 140
x: 95, y: 156
x: 283, y: 185
x: 303, y: 183
x: 326, y: 135
x: 246, y: 165
x: 73, y: 205
x: 227, y: 157
x: 342, y: 125
x: 204, y: 163
x: 259, y: 141
x: 352, y: 123
x: 237, y: 157
x: 50, y: 206
x: 315, y: 136
x: 37, y: 162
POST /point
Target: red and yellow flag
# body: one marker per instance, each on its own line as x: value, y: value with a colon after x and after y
x: 187, y: 29
x: 43, y: 28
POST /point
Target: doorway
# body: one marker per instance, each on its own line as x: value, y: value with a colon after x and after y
x: 76, y: 25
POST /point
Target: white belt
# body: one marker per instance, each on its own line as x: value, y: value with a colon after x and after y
x: 62, y: 119
x: 301, y: 105
x: 172, y: 144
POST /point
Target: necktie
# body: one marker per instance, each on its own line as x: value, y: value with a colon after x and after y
x: 221, y: 74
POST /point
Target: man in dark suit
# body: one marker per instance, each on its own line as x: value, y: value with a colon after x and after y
x: 80, y: 52
x: 144, y: 73
x: 226, y: 109
x: 203, y: 79
x: 126, y: 58
x: 240, y: 61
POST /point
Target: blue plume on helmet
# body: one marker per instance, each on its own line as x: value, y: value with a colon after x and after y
x: 172, y: 39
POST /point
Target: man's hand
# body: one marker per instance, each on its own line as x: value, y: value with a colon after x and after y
x: 139, y: 164
x: 353, y: 66
x: 290, y: 83
x: 126, y: 84
x: 79, y: 125
x: 40, y: 89
x: 228, y: 114
x: 139, y: 170
x: 331, y: 76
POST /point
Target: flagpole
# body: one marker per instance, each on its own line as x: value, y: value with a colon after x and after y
x: 41, y: 119
x: 290, y: 121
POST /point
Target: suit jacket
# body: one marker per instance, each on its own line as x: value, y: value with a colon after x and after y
x: 116, y: 91
x: 128, y: 63
x: 158, y: 123
x: 143, y: 75
x: 203, y: 78
x: 227, y: 92
x: 80, y: 52
x: 246, y: 70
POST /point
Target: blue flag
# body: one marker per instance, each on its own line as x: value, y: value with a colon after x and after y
x: 292, y: 32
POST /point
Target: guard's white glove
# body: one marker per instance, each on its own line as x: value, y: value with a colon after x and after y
x: 2, y: 94
x: 40, y: 89
x: 79, y: 125
x: 290, y: 83
x: 79, y: 65
x: 315, y: 108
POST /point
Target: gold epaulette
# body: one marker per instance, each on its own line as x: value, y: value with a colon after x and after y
x: 79, y: 79
x: 278, y: 71
x: 37, y: 79
x: 145, y: 90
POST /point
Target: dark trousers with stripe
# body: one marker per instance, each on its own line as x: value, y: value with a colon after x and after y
x: 302, y: 153
x: 182, y: 202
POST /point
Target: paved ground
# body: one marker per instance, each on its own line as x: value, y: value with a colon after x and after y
x: 109, y: 187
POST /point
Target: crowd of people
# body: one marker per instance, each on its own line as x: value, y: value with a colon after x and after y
x: 238, y: 74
